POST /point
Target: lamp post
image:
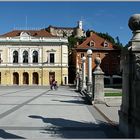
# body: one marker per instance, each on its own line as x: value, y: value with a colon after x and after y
x: 89, y: 83
x: 77, y: 75
x: 80, y: 80
x: 83, y: 74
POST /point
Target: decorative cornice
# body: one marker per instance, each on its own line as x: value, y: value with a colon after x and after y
x: 52, y: 50
x: 34, y: 40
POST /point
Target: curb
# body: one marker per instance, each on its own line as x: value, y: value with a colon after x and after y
x: 104, y: 116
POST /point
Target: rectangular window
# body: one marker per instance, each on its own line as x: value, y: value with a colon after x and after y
x: 0, y: 77
x: 114, y: 68
x: 98, y: 54
x: 106, y: 68
x: 0, y: 58
x: 82, y: 55
x: 51, y: 57
x: 92, y: 43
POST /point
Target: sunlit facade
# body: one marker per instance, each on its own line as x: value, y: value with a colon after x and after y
x: 33, y: 58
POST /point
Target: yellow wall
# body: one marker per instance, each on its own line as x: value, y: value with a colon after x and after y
x: 7, y: 75
x: 7, y: 68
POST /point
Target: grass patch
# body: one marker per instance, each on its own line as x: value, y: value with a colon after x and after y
x: 113, y: 94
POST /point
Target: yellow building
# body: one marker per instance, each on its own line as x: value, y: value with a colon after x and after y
x: 33, y: 57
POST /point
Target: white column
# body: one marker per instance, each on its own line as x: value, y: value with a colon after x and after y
x: 89, y: 83
x: 8, y: 60
x: 77, y: 75
x: 83, y: 73
x: 40, y: 56
x: 77, y: 79
x: 11, y: 56
x: 30, y: 56
x: 20, y: 56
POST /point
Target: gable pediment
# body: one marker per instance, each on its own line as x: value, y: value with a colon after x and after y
x: 24, y: 36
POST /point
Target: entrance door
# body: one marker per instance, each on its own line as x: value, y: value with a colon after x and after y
x: 25, y: 78
x: 65, y: 79
x: 51, y: 76
x: 0, y: 77
x: 35, y: 78
x: 15, y: 78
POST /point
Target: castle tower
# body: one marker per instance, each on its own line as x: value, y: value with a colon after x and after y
x: 78, y: 30
x: 80, y: 24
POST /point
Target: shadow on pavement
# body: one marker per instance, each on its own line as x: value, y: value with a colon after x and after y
x: 83, y: 102
x: 6, y: 135
x: 53, y: 94
x: 73, y: 129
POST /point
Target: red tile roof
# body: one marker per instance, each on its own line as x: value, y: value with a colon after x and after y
x: 36, y: 33
x: 99, y: 41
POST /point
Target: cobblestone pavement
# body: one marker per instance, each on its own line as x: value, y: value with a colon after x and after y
x: 40, y: 113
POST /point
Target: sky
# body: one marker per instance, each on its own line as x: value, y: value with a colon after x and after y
x: 106, y: 17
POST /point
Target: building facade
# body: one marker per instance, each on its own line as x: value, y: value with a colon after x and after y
x: 33, y: 57
x: 109, y: 54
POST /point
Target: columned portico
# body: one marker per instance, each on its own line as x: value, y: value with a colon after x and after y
x: 28, y: 51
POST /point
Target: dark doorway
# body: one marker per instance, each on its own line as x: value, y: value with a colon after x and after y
x: 35, y: 78
x: 25, y: 78
x: 15, y: 78
x: 51, y: 76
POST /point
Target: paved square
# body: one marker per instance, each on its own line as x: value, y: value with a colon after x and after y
x: 38, y: 112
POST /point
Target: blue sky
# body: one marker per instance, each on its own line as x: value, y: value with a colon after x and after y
x: 111, y: 17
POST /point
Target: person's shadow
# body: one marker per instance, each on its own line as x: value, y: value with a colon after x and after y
x: 6, y: 135
x: 75, y: 129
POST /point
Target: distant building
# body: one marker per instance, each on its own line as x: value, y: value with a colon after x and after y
x: 67, y: 31
x: 109, y: 54
x: 33, y: 57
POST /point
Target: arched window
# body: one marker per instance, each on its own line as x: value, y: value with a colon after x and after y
x: 25, y: 57
x: 52, y: 57
x: 92, y: 43
x: 15, y: 57
x: 106, y: 44
x: 35, y: 57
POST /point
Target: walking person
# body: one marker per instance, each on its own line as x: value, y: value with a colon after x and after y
x: 52, y: 84
x: 55, y: 85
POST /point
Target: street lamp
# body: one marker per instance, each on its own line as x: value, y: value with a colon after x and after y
x: 83, y: 73
x: 89, y: 82
x: 77, y: 74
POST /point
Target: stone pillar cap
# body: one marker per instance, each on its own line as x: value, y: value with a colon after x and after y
x: 134, y: 22
x: 97, y: 60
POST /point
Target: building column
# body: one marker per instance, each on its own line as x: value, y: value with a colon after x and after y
x: 89, y: 83
x: 11, y: 56
x: 83, y: 73
x: 20, y: 56
x: 40, y: 56
x: 77, y: 79
x: 8, y: 55
x: 30, y: 56
x: 77, y: 76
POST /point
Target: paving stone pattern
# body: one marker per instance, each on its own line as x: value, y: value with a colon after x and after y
x: 40, y: 113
